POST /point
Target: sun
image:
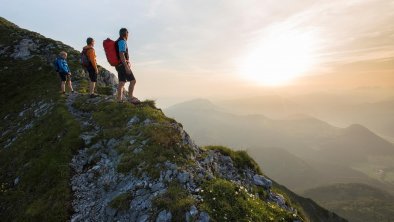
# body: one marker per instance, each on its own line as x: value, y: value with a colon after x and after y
x: 279, y: 57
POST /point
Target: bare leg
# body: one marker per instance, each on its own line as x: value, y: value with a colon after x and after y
x: 91, y: 87
x: 119, y: 93
x: 131, y: 88
x: 70, y: 85
x: 63, y: 86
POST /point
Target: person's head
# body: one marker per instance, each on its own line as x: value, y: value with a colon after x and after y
x: 63, y: 54
x: 123, y: 33
x: 90, y: 41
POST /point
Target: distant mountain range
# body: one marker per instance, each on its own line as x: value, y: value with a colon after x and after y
x: 356, y: 202
x: 340, y: 110
x: 299, y: 151
x: 295, y: 133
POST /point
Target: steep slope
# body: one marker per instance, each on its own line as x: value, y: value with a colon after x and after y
x: 38, y: 134
x: 76, y: 158
x: 356, y: 202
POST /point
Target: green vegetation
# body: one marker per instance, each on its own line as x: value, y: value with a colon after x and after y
x: 40, y: 159
x: 161, y: 145
x: 35, y: 172
x: 83, y: 86
x: 121, y: 202
x: 104, y: 90
x: 241, y: 158
x: 160, y: 140
x: 176, y: 200
x: 225, y: 201
x: 6, y: 30
x: 111, y: 114
x: 356, y: 202
x: 23, y: 83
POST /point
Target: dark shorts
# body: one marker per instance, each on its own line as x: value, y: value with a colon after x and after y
x: 92, y: 73
x: 122, y: 76
x: 64, y: 76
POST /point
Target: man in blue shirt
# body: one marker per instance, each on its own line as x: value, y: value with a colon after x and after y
x: 124, y: 68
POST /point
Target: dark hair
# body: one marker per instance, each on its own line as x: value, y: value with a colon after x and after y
x: 123, y: 32
x: 89, y: 40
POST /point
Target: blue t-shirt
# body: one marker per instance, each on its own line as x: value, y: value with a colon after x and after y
x: 62, y: 65
x: 122, y: 45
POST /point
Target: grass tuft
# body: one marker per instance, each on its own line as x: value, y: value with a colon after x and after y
x: 176, y: 200
x: 241, y: 158
x: 225, y: 201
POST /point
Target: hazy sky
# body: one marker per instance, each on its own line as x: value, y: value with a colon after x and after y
x: 202, y: 48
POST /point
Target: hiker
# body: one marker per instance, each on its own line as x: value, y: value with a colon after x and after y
x: 124, y: 68
x: 64, y: 72
x: 90, y: 64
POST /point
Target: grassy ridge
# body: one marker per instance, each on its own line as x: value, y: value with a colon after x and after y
x: 39, y: 159
x: 34, y: 168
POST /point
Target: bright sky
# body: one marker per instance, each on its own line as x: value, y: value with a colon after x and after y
x: 183, y: 49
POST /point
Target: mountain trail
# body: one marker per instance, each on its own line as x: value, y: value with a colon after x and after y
x: 96, y: 181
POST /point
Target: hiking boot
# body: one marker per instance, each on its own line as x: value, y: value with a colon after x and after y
x: 134, y: 101
x: 93, y: 95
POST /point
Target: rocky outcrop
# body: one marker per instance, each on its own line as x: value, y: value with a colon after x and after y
x: 97, y: 182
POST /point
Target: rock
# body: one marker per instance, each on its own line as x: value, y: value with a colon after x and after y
x: 190, y: 215
x: 203, y: 217
x: 183, y: 177
x: 164, y: 216
x: 22, y: 50
x: 262, y: 181
x: 76, y: 218
x: 157, y: 186
x: 112, y: 143
x: 167, y: 176
x: 143, y: 218
x: 87, y: 137
x: 193, y: 211
x: 16, y: 181
x: 148, y: 121
x: 133, y: 121
x: 209, y: 158
x: 278, y: 199
x: 110, y: 212
x: 170, y: 165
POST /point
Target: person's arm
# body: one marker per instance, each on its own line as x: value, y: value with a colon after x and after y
x: 92, y: 58
x: 125, y: 63
x: 66, y: 68
x: 122, y: 49
x: 62, y: 66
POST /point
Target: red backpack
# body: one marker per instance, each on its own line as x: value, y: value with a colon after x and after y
x: 110, y: 52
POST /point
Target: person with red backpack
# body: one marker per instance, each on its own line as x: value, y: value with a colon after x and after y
x: 124, y: 67
x: 88, y: 59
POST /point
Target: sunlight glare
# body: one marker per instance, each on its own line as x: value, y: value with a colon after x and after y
x: 279, y: 57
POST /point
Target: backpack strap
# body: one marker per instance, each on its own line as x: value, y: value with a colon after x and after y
x: 117, y: 48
